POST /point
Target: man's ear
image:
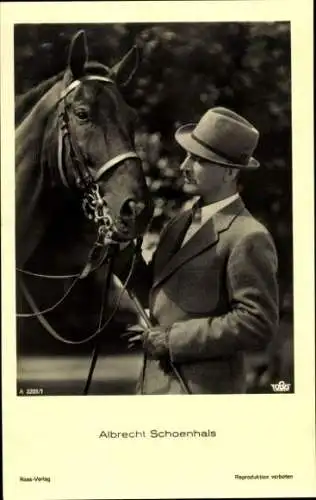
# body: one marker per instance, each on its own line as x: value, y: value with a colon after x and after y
x: 125, y: 69
x: 230, y: 174
x: 78, y: 55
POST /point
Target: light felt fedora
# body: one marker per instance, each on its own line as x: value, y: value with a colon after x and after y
x: 223, y: 137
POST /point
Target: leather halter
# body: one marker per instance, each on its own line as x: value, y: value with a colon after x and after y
x: 94, y: 204
x: 84, y: 176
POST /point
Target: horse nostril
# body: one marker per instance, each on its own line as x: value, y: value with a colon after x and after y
x: 132, y: 208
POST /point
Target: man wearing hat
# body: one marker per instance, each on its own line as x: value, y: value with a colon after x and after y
x: 214, y: 293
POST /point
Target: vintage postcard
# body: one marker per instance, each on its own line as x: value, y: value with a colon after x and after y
x: 157, y: 209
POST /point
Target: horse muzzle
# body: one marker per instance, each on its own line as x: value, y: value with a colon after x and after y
x: 133, y: 219
x: 130, y: 222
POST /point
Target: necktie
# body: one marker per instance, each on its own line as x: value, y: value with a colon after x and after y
x: 196, y: 223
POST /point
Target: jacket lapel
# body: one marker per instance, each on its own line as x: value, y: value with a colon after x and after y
x: 174, y: 257
x: 171, y: 239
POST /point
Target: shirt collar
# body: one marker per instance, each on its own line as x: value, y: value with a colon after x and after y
x: 207, y: 211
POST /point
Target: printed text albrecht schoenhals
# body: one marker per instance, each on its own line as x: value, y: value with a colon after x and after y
x: 156, y: 433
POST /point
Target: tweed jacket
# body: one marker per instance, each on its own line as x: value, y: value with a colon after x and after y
x: 218, y: 297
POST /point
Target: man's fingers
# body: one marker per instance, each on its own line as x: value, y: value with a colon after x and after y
x: 133, y: 336
x: 131, y: 345
x: 132, y: 333
x: 134, y: 341
x: 136, y: 338
x: 134, y: 328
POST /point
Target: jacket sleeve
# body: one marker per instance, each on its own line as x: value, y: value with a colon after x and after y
x: 252, y: 318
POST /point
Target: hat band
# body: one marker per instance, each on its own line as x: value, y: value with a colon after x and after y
x: 242, y: 160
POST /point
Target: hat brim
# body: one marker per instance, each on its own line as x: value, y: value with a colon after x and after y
x: 185, y: 139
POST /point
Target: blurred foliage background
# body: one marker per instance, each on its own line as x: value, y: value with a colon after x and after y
x: 185, y: 69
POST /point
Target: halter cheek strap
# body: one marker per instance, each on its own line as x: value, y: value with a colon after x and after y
x: 60, y: 160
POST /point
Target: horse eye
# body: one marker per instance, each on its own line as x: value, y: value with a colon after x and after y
x: 82, y: 114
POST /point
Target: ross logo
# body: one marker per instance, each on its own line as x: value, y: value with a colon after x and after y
x: 281, y: 387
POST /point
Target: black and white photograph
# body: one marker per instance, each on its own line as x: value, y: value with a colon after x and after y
x: 157, y: 215
x: 154, y: 208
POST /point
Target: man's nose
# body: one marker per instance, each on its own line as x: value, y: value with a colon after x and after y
x: 186, y: 164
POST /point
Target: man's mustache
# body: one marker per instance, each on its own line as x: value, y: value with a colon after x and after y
x: 188, y: 176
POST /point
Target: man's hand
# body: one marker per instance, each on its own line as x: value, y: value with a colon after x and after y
x: 134, y: 335
x: 154, y: 340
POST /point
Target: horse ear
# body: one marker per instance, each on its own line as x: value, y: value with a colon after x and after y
x: 78, y: 54
x: 125, y: 69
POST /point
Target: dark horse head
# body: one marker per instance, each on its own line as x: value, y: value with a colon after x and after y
x: 75, y: 147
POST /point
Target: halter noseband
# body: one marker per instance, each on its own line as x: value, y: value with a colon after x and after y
x: 86, y: 180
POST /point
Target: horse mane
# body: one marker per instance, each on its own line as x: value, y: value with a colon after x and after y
x: 25, y: 102
x: 29, y: 176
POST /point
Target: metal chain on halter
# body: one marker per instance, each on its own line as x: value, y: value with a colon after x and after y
x: 96, y: 209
